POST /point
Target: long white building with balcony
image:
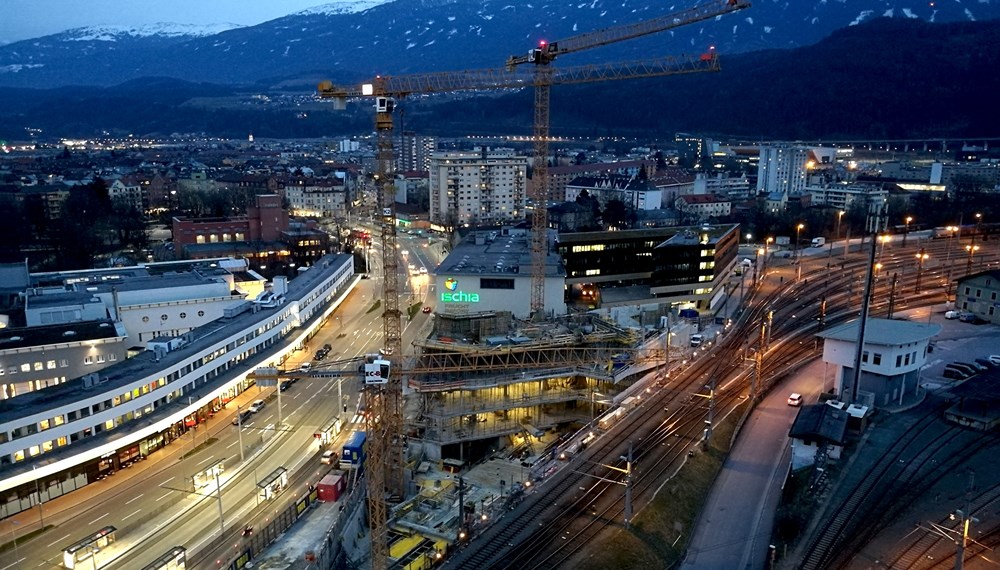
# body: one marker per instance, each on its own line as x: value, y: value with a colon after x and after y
x: 56, y: 440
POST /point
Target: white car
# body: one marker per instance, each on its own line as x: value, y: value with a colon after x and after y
x: 994, y: 358
x: 795, y: 399
x: 950, y: 315
x: 257, y: 406
x: 329, y: 456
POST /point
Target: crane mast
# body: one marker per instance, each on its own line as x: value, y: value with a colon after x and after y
x: 542, y: 57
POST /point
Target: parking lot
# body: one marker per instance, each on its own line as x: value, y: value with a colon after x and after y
x: 958, y: 341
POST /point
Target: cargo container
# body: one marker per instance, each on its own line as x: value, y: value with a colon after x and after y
x: 331, y: 487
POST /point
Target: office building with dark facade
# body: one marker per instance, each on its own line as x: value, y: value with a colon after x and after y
x: 671, y: 266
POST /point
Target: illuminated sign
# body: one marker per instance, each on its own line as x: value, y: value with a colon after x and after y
x: 453, y: 295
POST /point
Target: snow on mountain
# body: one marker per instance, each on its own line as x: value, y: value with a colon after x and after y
x: 344, y: 7
x: 355, y: 39
x: 161, y: 29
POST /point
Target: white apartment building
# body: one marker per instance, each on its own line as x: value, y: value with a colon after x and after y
x: 842, y: 195
x: 414, y: 152
x: 479, y: 187
x: 784, y: 168
x: 318, y: 197
x: 635, y: 192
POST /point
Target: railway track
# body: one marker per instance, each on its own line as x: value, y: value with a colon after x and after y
x: 546, y: 533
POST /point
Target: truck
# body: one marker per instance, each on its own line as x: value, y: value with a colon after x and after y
x: 818, y: 241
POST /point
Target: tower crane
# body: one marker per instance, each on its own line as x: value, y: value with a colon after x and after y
x: 541, y: 57
x: 385, y: 422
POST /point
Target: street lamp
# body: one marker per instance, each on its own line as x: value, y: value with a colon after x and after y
x: 921, y: 258
x: 748, y: 239
x: 798, y: 232
x: 840, y: 216
x: 972, y: 249
x: 906, y: 228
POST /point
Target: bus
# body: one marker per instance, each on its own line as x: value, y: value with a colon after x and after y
x: 353, y: 456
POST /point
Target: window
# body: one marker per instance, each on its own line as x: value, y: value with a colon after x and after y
x: 899, y: 360
x: 112, y: 357
x: 100, y: 358
x: 50, y: 365
x: 492, y: 283
x: 38, y: 366
x: 63, y: 363
x: 979, y: 292
x: 163, y: 317
x: 25, y: 368
x: 88, y: 359
x: 184, y: 315
x: 907, y: 361
x: 201, y: 313
x: 864, y: 356
x: 967, y: 290
x: 145, y: 319
x: 876, y: 359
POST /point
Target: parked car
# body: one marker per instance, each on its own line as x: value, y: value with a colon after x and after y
x: 426, y: 309
x: 985, y: 362
x: 285, y: 384
x: 305, y: 367
x: 696, y: 340
x: 994, y: 358
x: 967, y: 370
x: 954, y: 374
x: 951, y: 315
x: 329, y: 457
x: 795, y: 399
x: 257, y: 406
x: 967, y: 317
x: 975, y: 366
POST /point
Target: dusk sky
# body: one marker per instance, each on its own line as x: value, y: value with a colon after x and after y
x: 23, y: 19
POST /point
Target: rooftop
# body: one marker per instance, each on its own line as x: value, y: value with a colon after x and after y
x: 497, y: 252
x: 884, y: 332
x: 14, y: 338
x: 142, y: 364
x: 820, y: 422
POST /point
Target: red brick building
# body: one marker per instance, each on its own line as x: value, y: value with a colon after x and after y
x: 264, y: 222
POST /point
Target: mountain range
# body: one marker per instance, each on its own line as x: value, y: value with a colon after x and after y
x: 885, y: 78
x: 404, y: 36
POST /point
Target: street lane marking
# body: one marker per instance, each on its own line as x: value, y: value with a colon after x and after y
x: 57, y: 541
x: 165, y: 495
x: 99, y: 518
x: 134, y: 499
x: 167, y: 481
x: 132, y: 515
x: 205, y: 460
x: 230, y: 445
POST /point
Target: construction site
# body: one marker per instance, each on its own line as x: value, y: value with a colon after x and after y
x: 485, y: 384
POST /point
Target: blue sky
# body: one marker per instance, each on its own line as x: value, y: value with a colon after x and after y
x: 24, y: 19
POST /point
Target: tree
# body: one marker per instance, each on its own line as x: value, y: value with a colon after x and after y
x: 618, y: 215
